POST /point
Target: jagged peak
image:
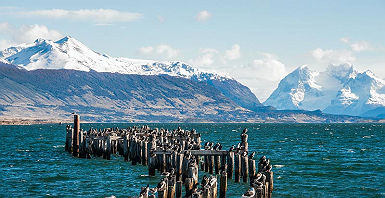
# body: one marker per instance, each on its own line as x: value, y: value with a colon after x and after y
x: 64, y: 40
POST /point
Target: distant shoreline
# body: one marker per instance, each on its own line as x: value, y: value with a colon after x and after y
x: 31, y: 122
x: 41, y: 121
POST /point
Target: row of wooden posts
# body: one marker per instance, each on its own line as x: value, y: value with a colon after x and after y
x: 177, y: 155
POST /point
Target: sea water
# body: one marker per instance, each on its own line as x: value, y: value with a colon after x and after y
x: 309, y: 160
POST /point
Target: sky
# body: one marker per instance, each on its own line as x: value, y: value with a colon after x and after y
x: 257, y: 42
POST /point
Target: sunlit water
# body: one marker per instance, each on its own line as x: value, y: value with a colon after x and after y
x: 310, y: 160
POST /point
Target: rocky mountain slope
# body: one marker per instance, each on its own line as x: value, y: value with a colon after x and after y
x: 69, y: 53
x: 46, y: 94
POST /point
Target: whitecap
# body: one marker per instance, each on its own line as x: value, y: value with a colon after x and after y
x: 59, y: 146
x: 367, y: 136
x: 278, y: 166
x: 351, y: 151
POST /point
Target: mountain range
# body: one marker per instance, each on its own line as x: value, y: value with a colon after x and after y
x: 340, y: 89
x: 50, y: 79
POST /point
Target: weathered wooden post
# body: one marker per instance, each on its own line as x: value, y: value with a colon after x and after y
x: 237, y: 167
x: 189, y: 185
x: 179, y: 166
x: 270, y: 179
x: 245, y: 168
x: 230, y: 164
x: 152, y: 165
x: 171, y: 187
x: 76, y: 135
x: 217, y: 163
x: 125, y: 148
x: 108, y: 147
x: 211, y: 164
x: 144, y: 154
x: 206, y: 192
x: 223, y: 184
x: 259, y: 192
x: 252, y: 170
x: 179, y: 189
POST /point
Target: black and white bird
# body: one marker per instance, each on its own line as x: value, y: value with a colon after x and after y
x: 249, y: 193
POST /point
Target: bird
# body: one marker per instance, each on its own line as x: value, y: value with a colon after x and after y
x: 244, y: 130
x: 232, y: 148
x: 153, y: 190
x: 251, y: 156
x: 249, y: 193
x: 145, y: 190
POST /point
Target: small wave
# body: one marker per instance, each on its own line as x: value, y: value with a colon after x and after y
x: 144, y: 175
x: 59, y: 146
x: 112, y: 196
x: 326, y: 159
x: 351, y: 151
x: 278, y: 166
x: 367, y: 136
x: 234, y: 130
x: 23, y: 150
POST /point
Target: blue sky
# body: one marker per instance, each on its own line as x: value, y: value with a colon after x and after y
x: 257, y: 42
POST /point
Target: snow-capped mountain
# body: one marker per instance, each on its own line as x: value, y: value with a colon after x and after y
x: 339, y: 90
x: 360, y: 94
x: 69, y: 53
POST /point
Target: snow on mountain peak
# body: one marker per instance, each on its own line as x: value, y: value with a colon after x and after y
x: 69, y: 53
x: 340, y: 89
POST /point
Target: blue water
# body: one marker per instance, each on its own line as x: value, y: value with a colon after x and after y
x: 310, y: 160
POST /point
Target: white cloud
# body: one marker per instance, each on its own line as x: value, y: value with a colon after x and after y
x: 268, y: 67
x: 331, y: 56
x: 206, y: 58
x: 161, y: 19
x: 160, y: 51
x: 167, y: 50
x: 203, y: 15
x: 357, y: 46
x: 262, y: 75
x: 146, y: 50
x: 95, y: 15
x: 26, y: 34
x: 233, y: 53
x: 5, y: 44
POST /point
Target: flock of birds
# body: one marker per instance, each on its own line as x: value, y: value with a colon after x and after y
x: 260, y: 179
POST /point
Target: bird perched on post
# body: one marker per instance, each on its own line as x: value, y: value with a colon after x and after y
x: 144, y: 191
x: 249, y: 193
x: 251, y: 156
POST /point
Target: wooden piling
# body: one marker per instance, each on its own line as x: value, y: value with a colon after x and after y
x: 230, y: 165
x: 245, y: 168
x: 179, y: 189
x: 217, y: 164
x: 252, y: 170
x: 237, y: 167
x: 223, y: 184
x: 75, y: 137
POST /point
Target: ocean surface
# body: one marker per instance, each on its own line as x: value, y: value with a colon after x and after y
x: 309, y: 160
